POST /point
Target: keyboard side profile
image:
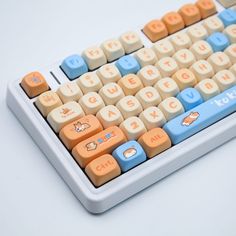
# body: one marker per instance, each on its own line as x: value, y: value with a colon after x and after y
x: 188, y: 145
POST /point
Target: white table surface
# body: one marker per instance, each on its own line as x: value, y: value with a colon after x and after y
x: 197, y: 200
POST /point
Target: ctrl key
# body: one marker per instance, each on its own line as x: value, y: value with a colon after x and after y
x: 154, y: 142
x: 102, y: 169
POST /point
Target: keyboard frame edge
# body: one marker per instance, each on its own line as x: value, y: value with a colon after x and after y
x: 99, y: 200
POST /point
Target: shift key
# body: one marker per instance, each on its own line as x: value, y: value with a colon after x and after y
x: 99, y: 144
x: 202, y: 116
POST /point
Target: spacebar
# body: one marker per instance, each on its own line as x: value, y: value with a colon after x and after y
x: 202, y: 116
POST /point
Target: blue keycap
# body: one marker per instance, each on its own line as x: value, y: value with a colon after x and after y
x: 228, y: 17
x: 190, y: 98
x: 129, y: 155
x: 218, y: 41
x: 74, y: 66
x: 127, y: 65
x: 202, y: 116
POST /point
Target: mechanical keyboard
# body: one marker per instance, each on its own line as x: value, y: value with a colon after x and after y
x: 117, y: 117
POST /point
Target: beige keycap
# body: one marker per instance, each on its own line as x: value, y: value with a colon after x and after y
x: 129, y: 106
x: 148, y: 97
x: 133, y: 128
x: 201, y: 50
x: 47, y: 101
x: 207, y: 88
x: 167, y: 66
x: 109, y: 116
x: 108, y: 73
x: 231, y: 52
x: 130, y: 41
x: 152, y: 117
x: 197, y: 32
x: 130, y: 84
x: 69, y: 92
x: 202, y: 70
x: 111, y: 93
x: 91, y: 103
x: 181, y: 41
x: 230, y: 31
x: 184, y: 78
x: 171, y: 107
x: 112, y: 49
x: 184, y: 58
x: 163, y: 48
x: 233, y: 69
x: 219, y: 61
x: 63, y: 115
x: 167, y: 87
x: 149, y: 75
x: 145, y: 56
x: 213, y: 24
x: 89, y: 82
x: 94, y: 57
x: 225, y: 79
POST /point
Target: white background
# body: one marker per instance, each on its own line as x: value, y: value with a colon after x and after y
x: 197, y: 200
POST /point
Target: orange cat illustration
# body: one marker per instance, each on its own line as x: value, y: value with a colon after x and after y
x: 193, y: 116
x: 79, y: 127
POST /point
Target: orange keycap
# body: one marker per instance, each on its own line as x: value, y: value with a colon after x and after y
x: 190, y: 14
x: 154, y: 142
x: 102, y: 169
x: 173, y: 21
x: 34, y: 84
x: 155, y: 30
x: 206, y: 8
x: 101, y: 143
x: 79, y: 130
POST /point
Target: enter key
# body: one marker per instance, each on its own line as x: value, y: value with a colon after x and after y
x: 202, y: 116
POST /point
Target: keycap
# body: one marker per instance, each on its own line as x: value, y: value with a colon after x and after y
x: 155, y: 30
x: 167, y: 87
x: 152, y: 117
x: 131, y: 42
x: 163, y: 48
x: 91, y: 103
x: 190, y: 98
x: 97, y: 145
x: 79, y: 130
x: 111, y: 93
x: 230, y: 32
x: 228, y: 17
x: 63, y: 115
x: 206, y: 7
x: 145, y: 56
x: 149, y: 75
x: 184, y: 58
x: 94, y: 57
x: 34, y: 84
x: 197, y: 32
x: 219, y: 61
x: 130, y: 84
x: 154, y: 142
x: 202, y: 116
x: 47, y: 101
x: 167, y: 66
x: 127, y: 65
x: 227, y: 3
x: 129, y: 106
x: 231, y: 53
x: 202, y: 70
x: 181, y: 41
x: 74, y: 66
x: 207, y: 88
x: 213, y: 24
x: 112, y: 49
x: 190, y: 14
x: 133, y: 128
x: 102, y: 170
x: 129, y: 155
x: 89, y: 82
x: 108, y: 73
x: 225, y: 79
x: 109, y: 116
x: 69, y: 91
x: 171, y: 107
x: 173, y: 21
x: 201, y: 50
x: 218, y: 41
x: 233, y: 69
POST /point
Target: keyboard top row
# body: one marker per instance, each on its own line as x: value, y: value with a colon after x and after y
x: 112, y: 117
